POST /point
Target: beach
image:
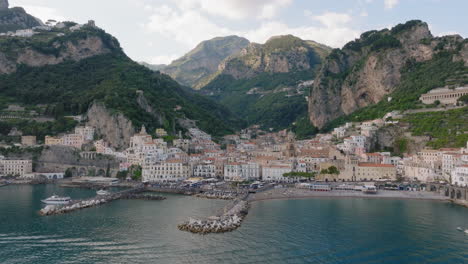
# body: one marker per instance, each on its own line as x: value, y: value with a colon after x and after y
x: 295, y: 193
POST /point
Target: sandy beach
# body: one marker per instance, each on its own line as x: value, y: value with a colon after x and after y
x: 294, y: 193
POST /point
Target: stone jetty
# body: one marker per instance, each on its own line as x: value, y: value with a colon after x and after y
x: 226, y: 222
x: 143, y: 196
x: 57, y: 209
x: 217, y: 195
x: 135, y: 193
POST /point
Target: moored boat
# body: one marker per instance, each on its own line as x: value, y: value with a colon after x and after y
x: 102, y: 192
x: 55, y: 200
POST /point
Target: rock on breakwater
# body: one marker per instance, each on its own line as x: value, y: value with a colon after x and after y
x: 55, y: 209
x: 217, y: 195
x: 227, y: 222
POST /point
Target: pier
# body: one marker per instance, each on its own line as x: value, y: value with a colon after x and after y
x: 134, y: 193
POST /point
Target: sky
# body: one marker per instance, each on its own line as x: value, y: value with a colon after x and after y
x: 159, y: 31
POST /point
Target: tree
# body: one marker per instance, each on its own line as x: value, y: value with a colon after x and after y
x: 333, y: 170
x: 330, y: 170
x: 463, y: 99
x: 122, y: 175
x: 108, y: 170
x: 136, y: 176
x: 68, y: 173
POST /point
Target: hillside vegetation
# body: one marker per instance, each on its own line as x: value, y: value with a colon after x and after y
x: 446, y: 129
x: 261, y: 84
x: 112, y: 78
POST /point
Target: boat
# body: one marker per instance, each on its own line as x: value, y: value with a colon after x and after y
x: 102, y: 192
x: 369, y: 189
x: 54, y: 199
x: 459, y: 229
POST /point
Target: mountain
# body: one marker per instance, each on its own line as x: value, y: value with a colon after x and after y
x: 267, y: 83
x: 81, y: 70
x: 153, y: 67
x: 192, y: 69
x: 383, y: 71
x: 12, y: 19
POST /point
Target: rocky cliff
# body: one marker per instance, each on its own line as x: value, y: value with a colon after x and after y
x: 46, y: 49
x: 4, y: 4
x: 280, y: 54
x: 191, y: 69
x: 369, y: 68
x: 15, y: 18
x: 114, y: 128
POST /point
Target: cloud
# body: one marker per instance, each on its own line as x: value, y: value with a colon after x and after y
x: 389, y: 4
x: 332, y: 35
x: 235, y: 9
x: 331, y: 19
x: 189, y: 27
x: 44, y: 13
x: 163, y: 59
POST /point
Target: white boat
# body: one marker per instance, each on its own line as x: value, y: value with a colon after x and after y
x: 54, y: 199
x: 369, y: 189
x: 102, y: 192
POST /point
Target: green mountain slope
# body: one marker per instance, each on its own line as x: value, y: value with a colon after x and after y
x: 194, y: 67
x: 264, y: 84
x: 68, y: 83
x: 383, y: 71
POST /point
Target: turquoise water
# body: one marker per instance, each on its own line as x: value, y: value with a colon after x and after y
x: 295, y: 231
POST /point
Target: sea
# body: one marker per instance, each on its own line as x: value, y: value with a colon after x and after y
x: 319, y: 230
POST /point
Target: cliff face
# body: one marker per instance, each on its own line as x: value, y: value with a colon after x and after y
x: 281, y: 54
x: 201, y: 62
x: 114, y: 128
x: 62, y: 51
x: 15, y: 18
x: 366, y: 70
x: 4, y: 4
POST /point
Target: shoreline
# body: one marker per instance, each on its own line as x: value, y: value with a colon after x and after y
x: 299, y: 194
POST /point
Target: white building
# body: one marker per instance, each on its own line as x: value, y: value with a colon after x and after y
x: 86, y: 131
x: 241, y: 171
x: 275, y: 172
x: 167, y: 171
x: 49, y: 175
x: 73, y: 140
x: 205, y: 169
x: 460, y: 176
x: 15, y: 167
x: 198, y: 134
x: 339, y: 132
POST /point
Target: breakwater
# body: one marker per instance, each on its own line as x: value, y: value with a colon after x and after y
x: 218, y: 195
x: 228, y: 221
x: 135, y: 193
x: 143, y: 196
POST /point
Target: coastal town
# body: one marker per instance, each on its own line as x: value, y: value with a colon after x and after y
x: 255, y: 157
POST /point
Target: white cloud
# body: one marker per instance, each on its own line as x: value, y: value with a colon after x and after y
x: 163, y: 59
x: 189, y: 27
x: 389, y: 4
x: 332, y: 36
x: 331, y: 19
x: 44, y: 13
x: 235, y: 9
